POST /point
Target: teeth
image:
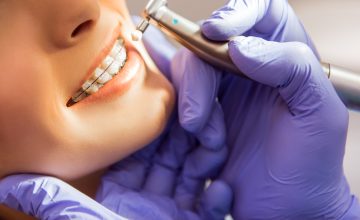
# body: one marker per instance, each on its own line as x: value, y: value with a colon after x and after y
x: 114, y: 68
x: 107, y: 62
x: 109, y: 67
x: 98, y: 73
x: 117, y: 48
x: 104, y: 78
x: 86, y: 85
x: 92, y: 89
x: 79, y: 96
x: 122, y: 57
x: 115, y: 51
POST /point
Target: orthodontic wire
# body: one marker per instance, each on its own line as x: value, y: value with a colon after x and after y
x: 84, y: 90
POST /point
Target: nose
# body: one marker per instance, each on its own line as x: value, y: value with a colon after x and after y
x: 69, y: 21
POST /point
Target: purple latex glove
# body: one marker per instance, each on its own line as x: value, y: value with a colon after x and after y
x: 168, y: 184
x: 286, y: 128
x: 163, y: 181
x: 50, y: 198
x: 287, y: 135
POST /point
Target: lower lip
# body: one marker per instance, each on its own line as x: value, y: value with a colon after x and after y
x: 121, y: 83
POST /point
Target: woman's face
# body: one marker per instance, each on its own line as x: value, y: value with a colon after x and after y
x: 49, y: 50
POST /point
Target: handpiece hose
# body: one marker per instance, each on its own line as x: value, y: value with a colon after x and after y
x: 186, y: 32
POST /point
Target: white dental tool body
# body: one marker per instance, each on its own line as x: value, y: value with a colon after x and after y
x: 346, y: 83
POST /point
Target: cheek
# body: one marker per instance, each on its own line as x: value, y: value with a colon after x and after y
x: 25, y: 95
x: 119, y: 6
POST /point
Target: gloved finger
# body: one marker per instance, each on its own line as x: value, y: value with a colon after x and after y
x: 167, y: 163
x: 213, y: 134
x: 234, y: 19
x: 146, y: 154
x: 201, y: 164
x: 159, y: 47
x: 291, y: 67
x: 131, y: 171
x: 138, y: 205
x: 197, y: 84
x: 216, y: 201
x: 50, y: 198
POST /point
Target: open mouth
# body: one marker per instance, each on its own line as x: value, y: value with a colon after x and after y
x: 105, y: 72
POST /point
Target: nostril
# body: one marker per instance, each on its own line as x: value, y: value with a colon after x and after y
x: 81, y: 28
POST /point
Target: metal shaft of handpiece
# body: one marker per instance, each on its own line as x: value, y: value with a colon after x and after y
x: 189, y: 34
x: 346, y: 82
x: 144, y: 24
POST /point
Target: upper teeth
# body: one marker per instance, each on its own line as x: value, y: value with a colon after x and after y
x: 109, y: 67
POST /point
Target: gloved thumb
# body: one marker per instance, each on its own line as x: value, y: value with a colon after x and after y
x: 216, y: 202
x: 50, y: 198
x: 291, y: 67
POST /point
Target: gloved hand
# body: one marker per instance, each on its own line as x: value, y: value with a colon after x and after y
x: 286, y: 128
x: 170, y: 184
x: 287, y: 133
x: 163, y: 181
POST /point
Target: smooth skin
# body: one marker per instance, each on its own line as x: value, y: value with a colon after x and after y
x: 48, y: 47
x: 44, y: 63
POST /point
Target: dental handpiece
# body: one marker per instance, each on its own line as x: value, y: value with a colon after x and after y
x: 188, y: 33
